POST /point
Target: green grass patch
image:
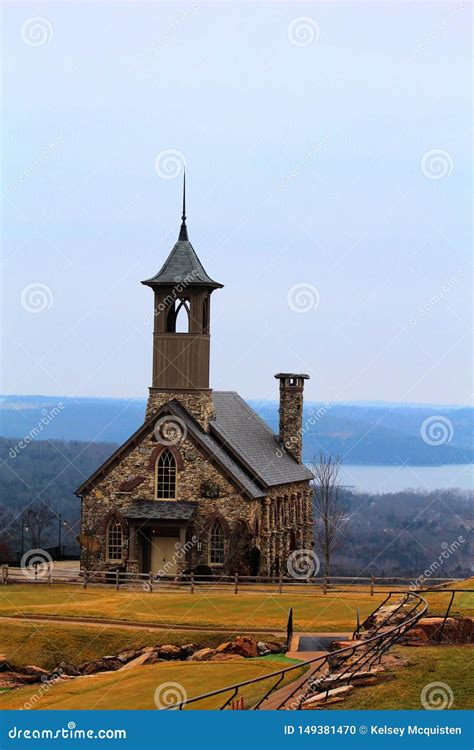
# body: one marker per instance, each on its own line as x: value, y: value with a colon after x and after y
x: 136, y: 688
x: 451, y: 665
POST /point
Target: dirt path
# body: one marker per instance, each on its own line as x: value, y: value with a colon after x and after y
x: 131, y: 624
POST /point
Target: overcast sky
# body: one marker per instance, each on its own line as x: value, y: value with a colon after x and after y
x: 328, y: 166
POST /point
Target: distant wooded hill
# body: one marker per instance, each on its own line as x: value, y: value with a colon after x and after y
x: 398, y: 533
x: 362, y: 433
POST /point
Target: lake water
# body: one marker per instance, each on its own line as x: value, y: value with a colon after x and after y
x: 395, y: 478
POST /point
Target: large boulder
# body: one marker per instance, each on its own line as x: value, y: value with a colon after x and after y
x: 274, y: 647
x: 225, y: 647
x: 245, y: 646
x: 169, y: 652
x: 11, y: 680
x: 106, y: 664
x: 38, y: 671
x: 126, y: 656
x: 455, y: 630
x: 204, y: 654
x: 67, y: 669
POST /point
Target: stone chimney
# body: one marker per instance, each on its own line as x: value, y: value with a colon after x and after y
x: 291, y: 412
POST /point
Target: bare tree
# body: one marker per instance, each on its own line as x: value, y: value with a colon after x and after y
x: 37, y: 519
x: 329, y: 508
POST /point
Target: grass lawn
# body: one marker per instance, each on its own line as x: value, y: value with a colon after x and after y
x: 452, y: 665
x: 242, y: 612
x: 135, y: 688
x: 463, y: 603
x: 47, y: 644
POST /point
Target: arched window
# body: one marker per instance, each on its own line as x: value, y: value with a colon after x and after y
x: 166, y: 476
x: 216, y: 543
x: 178, y: 317
x: 114, y: 540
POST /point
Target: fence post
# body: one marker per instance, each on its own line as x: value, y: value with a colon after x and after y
x: 192, y: 582
x: 3, y: 574
x: 325, y: 585
x: 280, y: 583
x: 36, y: 573
x: 117, y: 580
x: 372, y: 580
x: 49, y: 577
x: 236, y: 583
x: 85, y: 578
x: 150, y: 581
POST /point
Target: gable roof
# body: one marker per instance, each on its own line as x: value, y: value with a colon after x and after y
x: 239, y: 442
x: 240, y: 429
x: 182, y: 266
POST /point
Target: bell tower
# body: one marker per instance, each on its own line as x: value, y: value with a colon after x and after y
x: 181, y: 332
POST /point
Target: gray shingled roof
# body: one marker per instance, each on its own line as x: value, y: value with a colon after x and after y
x: 243, y: 477
x: 239, y: 441
x: 161, y: 510
x: 182, y: 266
x: 251, y: 439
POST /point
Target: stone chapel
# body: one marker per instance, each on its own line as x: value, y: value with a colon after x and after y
x: 204, y: 481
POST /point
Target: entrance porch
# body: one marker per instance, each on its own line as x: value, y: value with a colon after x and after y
x: 160, y: 537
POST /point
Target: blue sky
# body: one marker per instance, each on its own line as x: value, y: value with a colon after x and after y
x: 328, y: 167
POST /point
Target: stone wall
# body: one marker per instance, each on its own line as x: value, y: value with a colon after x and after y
x: 136, y: 469
x: 281, y: 522
x: 291, y: 413
x: 198, y: 403
x: 286, y: 525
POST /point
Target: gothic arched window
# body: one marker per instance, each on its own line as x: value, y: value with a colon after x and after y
x: 114, y: 540
x: 216, y: 543
x: 178, y: 317
x: 166, y: 476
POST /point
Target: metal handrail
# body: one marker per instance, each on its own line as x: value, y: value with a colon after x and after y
x: 377, y: 639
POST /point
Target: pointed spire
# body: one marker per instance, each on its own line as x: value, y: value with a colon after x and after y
x: 183, y: 232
